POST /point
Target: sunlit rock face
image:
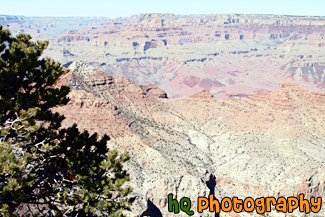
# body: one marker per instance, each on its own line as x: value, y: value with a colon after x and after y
x: 228, y: 55
x: 266, y: 144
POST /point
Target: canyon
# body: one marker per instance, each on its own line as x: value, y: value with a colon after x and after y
x: 236, y: 100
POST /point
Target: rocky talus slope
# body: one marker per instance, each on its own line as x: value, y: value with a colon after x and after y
x: 268, y: 144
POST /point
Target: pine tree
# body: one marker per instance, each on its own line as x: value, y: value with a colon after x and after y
x: 46, y: 170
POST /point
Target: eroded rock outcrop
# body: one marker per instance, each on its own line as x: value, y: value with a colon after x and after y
x: 155, y: 91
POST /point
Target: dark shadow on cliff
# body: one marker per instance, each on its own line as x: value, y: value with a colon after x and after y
x: 152, y: 210
x: 211, y: 184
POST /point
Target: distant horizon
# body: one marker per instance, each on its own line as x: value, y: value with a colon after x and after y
x: 178, y: 15
x: 126, y: 8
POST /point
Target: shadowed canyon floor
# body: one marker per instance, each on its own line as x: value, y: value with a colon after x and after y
x: 267, y: 144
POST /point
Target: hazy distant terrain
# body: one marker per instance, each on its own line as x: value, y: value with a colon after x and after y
x: 229, y: 55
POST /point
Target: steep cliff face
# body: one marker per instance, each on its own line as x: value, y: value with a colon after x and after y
x: 267, y: 144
